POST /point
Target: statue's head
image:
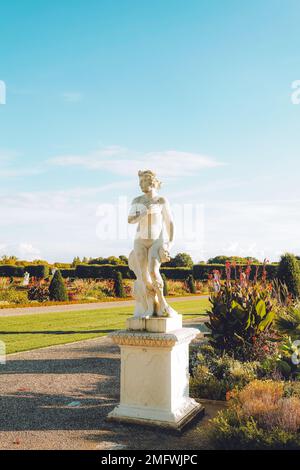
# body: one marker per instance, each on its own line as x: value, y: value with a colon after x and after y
x: 148, y: 180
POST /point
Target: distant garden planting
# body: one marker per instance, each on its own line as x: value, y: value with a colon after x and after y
x: 97, y: 279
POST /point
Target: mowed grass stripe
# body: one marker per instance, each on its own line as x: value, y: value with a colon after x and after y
x: 23, y: 333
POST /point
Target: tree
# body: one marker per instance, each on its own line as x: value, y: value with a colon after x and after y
x: 57, y: 288
x: 114, y: 260
x: 191, y: 284
x: 165, y: 291
x: 181, y: 260
x: 9, y: 259
x: 289, y: 273
x: 221, y: 259
x: 119, y: 288
x: 75, y: 261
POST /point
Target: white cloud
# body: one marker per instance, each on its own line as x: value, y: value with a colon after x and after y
x: 8, y: 168
x: 118, y: 160
x: 21, y: 250
x: 58, y: 225
x: 28, y: 251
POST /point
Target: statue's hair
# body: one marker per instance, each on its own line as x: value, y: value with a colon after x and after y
x: 152, y: 176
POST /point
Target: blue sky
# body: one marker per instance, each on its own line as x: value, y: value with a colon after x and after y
x: 199, y: 91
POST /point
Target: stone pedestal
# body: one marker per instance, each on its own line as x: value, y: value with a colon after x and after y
x: 155, y: 373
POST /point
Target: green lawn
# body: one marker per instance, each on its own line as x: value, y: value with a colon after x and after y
x: 22, y: 333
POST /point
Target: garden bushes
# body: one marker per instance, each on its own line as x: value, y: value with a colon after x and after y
x: 264, y: 415
x: 57, y: 288
x: 214, y: 376
x: 191, y: 284
x: 203, y: 271
x: 118, y: 287
x: 37, y: 270
x: 240, y: 320
x: 68, y: 272
x: 107, y: 271
x: 165, y: 289
x: 11, y: 270
x: 289, y: 273
x: 102, y: 271
x: 176, y: 274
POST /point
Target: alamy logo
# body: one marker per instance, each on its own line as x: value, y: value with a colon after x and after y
x: 2, y: 92
x: 295, y: 96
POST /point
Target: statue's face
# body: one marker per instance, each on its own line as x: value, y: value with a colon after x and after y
x: 146, y: 183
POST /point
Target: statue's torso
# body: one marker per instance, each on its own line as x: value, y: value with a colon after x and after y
x: 150, y: 227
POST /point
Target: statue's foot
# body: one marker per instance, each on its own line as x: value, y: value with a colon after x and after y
x: 167, y: 312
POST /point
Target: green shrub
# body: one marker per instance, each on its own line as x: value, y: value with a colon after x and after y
x: 38, y: 293
x: 191, y: 284
x: 288, y: 321
x: 13, y: 296
x: 241, y: 315
x: 118, y: 287
x: 214, y: 376
x: 163, y: 276
x: 229, y: 432
x: 289, y: 273
x: 260, y: 416
x: 57, y: 288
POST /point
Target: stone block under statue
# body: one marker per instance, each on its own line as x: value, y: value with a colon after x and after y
x: 154, y: 324
x: 155, y: 374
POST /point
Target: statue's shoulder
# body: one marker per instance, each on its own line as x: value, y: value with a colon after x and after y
x: 138, y: 200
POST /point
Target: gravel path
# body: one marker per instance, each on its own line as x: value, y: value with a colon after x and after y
x: 58, y: 398
x: 11, y: 312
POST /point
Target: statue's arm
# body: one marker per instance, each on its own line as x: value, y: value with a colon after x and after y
x: 168, y: 220
x: 137, y: 212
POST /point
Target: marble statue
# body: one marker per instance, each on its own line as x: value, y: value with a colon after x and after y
x: 153, y: 241
x: 154, y: 379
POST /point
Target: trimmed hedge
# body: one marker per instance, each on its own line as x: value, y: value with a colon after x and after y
x: 9, y: 270
x: 38, y: 270
x: 102, y: 271
x: 68, y: 272
x: 202, y: 271
x: 176, y: 274
x: 35, y: 270
x: 108, y: 271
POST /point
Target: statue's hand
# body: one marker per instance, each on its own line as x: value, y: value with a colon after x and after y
x: 164, y: 254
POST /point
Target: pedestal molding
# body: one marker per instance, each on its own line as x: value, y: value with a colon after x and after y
x: 146, y: 338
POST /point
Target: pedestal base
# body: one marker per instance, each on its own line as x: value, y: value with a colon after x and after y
x: 131, y: 415
x: 155, y: 378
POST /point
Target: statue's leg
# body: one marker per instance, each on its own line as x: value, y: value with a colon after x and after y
x: 141, y: 253
x: 157, y: 281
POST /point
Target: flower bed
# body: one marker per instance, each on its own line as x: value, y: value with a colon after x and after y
x: 251, y: 359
